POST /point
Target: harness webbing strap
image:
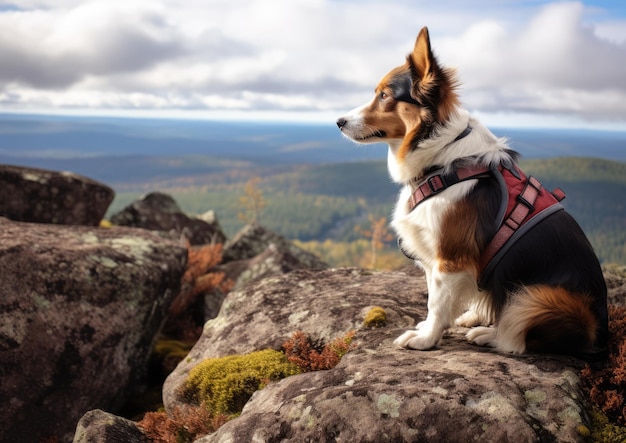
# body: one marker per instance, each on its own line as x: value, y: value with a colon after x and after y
x: 438, y: 181
x: 524, y: 206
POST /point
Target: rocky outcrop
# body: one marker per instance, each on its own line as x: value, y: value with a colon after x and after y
x: 254, y: 254
x: 40, y: 196
x: 615, y: 277
x: 272, y: 261
x: 159, y: 212
x: 253, y: 239
x: 457, y: 392
x: 98, y: 426
x: 79, y: 311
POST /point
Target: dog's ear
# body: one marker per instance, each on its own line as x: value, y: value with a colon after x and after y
x: 433, y: 86
x: 422, y: 60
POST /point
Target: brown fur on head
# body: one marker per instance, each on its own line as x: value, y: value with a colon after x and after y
x: 433, y: 88
x: 410, y: 101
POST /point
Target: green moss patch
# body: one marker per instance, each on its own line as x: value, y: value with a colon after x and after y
x: 225, y: 384
x: 375, y: 317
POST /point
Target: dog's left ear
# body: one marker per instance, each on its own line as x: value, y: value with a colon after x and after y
x: 422, y: 59
x: 433, y: 85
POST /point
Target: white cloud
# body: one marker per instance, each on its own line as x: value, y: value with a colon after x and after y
x: 554, y: 64
x: 309, y: 55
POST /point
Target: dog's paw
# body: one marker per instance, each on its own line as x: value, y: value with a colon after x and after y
x: 417, y: 339
x: 482, y: 336
x: 468, y: 320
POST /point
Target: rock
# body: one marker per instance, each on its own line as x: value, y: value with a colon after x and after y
x: 253, y: 239
x: 615, y: 276
x: 79, y: 311
x: 98, y: 426
x: 209, y: 217
x: 160, y: 212
x: 41, y: 196
x: 457, y: 392
x: 270, y: 262
x: 380, y: 394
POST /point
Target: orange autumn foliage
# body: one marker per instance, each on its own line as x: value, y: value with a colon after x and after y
x: 186, y: 424
x: 197, y: 278
x: 314, y: 355
x: 185, y: 319
x: 378, y: 235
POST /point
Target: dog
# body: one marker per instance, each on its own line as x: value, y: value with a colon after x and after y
x: 524, y: 279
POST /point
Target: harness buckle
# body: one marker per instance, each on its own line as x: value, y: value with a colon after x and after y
x: 531, y: 190
x: 436, y: 183
x: 522, y: 200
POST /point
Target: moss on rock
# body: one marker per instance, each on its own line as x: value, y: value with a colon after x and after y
x: 227, y: 383
x: 603, y: 431
x: 375, y: 317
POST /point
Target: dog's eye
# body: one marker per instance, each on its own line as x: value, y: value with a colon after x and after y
x: 383, y: 96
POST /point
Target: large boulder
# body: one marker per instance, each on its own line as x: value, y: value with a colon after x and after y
x: 253, y: 254
x: 272, y: 261
x: 79, y: 310
x: 157, y: 211
x: 98, y: 426
x: 457, y: 392
x: 253, y: 239
x: 41, y: 196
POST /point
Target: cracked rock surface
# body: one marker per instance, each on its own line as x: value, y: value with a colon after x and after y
x: 456, y: 392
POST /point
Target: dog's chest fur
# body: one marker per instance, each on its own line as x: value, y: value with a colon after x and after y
x: 420, y: 229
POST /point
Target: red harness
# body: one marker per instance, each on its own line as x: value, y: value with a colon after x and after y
x: 525, y: 202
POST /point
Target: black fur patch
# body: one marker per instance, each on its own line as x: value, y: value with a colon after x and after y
x: 401, y: 87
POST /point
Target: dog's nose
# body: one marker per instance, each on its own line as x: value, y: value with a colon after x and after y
x: 341, y: 122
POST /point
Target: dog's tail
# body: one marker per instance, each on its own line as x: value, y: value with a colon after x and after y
x: 550, y: 319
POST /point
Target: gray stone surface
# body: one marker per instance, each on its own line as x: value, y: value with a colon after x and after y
x: 157, y: 211
x: 41, y: 196
x: 378, y: 393
x: 79, y: 310
x: 254, y: 239
x: 98, y: 426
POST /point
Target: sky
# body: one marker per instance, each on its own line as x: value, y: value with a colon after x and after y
x: 521, y: 63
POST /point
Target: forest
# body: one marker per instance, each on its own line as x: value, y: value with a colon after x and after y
x: 331, y: 209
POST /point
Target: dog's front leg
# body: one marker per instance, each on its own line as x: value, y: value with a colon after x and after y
x: 445, y: 301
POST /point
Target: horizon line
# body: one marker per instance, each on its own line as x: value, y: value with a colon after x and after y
x: 317, y: 118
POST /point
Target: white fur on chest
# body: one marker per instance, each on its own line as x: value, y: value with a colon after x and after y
x: 420, y: 229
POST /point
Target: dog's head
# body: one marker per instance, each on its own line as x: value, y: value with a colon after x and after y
x: 409, y: 102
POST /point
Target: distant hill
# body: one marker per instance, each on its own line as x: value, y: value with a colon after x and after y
x: 596, y: 191
x: 319, y: 202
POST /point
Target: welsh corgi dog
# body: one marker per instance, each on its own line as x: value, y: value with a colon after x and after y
x: 500, y: 255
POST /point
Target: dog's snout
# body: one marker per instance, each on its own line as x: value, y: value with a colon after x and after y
x: 341, y: 122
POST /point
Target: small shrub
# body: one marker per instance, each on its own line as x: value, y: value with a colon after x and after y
x: 602, y: 431
x: 197, y: 278
x: 606, y: 386
x: 375, y: 318
x: 185, y: 425
x: 225, y: 384
x: 186, y: 318
x: 310, y: 355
